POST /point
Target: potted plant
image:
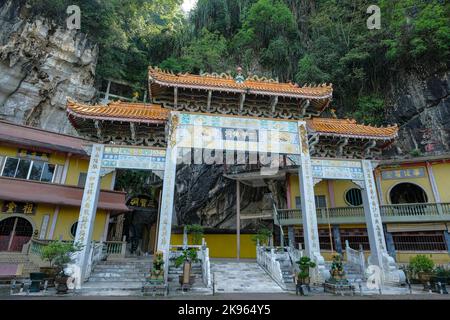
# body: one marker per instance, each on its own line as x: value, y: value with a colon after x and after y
x: 304, y: 264
x: 48, y: 253
x: 337, y: 268
x: 196, y: 232
x: 157, y: 272
x: 262, y: 236
x: 186, y: 259
x: 422, y: 266
x: 440, y: 275
x: 59, y: 254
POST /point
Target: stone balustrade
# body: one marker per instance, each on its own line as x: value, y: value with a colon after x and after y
x: 411, y: 212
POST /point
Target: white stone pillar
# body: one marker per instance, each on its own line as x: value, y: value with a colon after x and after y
x: 373, y: 216
x: 87, y: 211
x: 165, y: 216
x: 378, y: 249
x: 308, y: 205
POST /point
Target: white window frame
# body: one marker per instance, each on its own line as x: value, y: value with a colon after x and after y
x: 29, y: 169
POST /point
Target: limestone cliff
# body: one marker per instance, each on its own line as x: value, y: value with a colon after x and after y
x: 420, y: 103
x: 40, y: 65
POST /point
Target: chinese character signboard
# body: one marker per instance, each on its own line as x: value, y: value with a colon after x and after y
x: 19, y: 207
x: 234, y: 133
x: 142, y: 202
x: 32, y: 155
x: 403, y: 173
x: 134, y: 158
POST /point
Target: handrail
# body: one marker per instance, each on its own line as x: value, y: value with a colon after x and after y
x: 270, y: 264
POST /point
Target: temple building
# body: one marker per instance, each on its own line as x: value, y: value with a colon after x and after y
x: 42, y: 176
x: 332, y: 190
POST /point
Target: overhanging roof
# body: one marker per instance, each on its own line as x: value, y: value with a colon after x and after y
x: 57, y: 194
x: 34, y: 138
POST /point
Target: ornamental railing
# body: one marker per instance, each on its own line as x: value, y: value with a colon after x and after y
x: 355, y: 258
x: 408, y: 212
x: 267, y: 258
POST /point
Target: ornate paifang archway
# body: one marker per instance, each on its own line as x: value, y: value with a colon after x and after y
x: 232, y: 134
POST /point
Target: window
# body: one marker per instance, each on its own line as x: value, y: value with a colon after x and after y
x: 82, y: 179
x: 353, y: 197
x: 324, y: 238
x: 73, y: 229
x: 407, y: 193
x: 9, y: 170
x: 355, y: 237
x: 419, y: 241
x: 321, y: 202
x: 28, y: 169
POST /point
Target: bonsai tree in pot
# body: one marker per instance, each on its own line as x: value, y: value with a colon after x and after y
x: 49, y: 253
x: 187, y: 257
x: 305, y: 263
x: 422, y: 267
x: 59, y: 254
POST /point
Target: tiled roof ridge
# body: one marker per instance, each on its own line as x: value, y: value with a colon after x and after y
x: 349, y: 127
x: 247, y: 83
x: 119, y: 109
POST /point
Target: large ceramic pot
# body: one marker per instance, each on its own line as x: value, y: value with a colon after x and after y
x: 424, y: 277
x: 50, y: 274
x: 61, y: 284
x: 305, y: 281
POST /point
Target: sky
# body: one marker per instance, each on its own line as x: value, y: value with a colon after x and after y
x: 188, y: 5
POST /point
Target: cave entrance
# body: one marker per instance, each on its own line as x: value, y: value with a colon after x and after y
x: 407, y: 193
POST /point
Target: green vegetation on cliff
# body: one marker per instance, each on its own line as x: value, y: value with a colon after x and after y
x: 307, y: 41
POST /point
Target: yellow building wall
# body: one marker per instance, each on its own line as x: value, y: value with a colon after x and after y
x: 77, y: 166
x: 224, y: 245
x: 423, y: 182
x: 54, y: 158
x: 441, y: 173
x: 69, y: 215
x: 340, y: 188
x: 319, y: 189
x: 437, y: 257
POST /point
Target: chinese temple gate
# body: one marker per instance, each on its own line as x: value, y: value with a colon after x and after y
x: 254, y: 118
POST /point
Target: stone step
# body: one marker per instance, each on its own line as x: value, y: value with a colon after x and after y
x: 118, y: 274
x: 103, y: 279
x: 113, y: 285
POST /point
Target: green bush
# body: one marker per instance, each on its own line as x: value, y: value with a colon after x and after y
x: 59, y: 253
x: 263, y: 235
x: 421, y: 263
x: 196, y: 232
x: 305, y: 263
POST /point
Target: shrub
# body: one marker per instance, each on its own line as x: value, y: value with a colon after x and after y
x: 421, y: 263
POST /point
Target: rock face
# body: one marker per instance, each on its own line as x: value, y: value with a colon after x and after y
x: 420, y: 104
x: 203, y: 195
x: 40, y: 65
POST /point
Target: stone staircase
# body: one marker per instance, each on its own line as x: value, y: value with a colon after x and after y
x: 244, y: 276
x: 287, y: 273
x: 16, y: 258
x: 123, y: 277
x: 197, y: 288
